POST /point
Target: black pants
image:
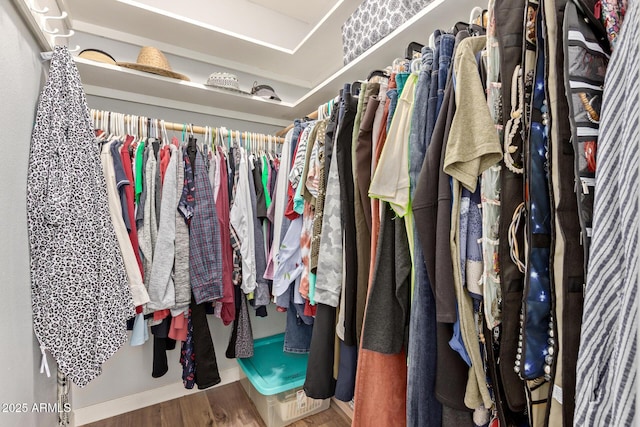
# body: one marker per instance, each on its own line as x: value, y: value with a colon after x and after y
x: 320, y: 383
x: 207, y: 374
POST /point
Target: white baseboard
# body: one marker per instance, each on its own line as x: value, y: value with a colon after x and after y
x: 130, y: 403
x: 343, y: 406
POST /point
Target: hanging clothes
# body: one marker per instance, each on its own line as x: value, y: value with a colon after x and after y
x: 75, y: 258
x: 606, y: 374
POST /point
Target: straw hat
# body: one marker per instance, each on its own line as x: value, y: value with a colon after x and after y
x: 97, y: 55
x: 151, y: 60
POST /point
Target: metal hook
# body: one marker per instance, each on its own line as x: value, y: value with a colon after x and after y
x: 40, y: 11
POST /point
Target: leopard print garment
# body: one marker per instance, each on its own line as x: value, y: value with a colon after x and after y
x: 80, y: 296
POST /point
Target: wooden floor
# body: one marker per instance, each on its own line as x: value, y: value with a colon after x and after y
x: 223, y: 406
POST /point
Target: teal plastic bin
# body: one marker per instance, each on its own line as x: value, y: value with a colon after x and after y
x: 273, y: 380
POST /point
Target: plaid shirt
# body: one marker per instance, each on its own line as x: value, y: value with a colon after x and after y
x: 205, y: 260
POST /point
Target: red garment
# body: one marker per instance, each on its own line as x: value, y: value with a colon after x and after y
x: 161, y: 314
x: 289, y: 212
x: 178, y: 328
x: 128, y: 191
x: 228, y: 312
x: 310, y: 310
x: 165, y: 156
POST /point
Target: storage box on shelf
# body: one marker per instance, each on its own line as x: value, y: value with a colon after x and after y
x: 273, y: 380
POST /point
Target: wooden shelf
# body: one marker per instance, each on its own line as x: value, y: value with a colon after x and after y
x: 121, y: 83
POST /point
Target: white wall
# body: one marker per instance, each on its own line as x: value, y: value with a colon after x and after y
x: 21, y: 78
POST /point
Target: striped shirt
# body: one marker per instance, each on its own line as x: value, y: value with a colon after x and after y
x: 606, y: 371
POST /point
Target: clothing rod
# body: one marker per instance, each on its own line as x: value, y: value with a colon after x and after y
x: 179, y: 127
x: 282, y: 132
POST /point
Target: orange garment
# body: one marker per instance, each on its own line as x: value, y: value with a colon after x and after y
x: 178, y: 328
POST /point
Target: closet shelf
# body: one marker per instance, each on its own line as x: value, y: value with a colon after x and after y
x: 130, y: 85
x: 112, y: 81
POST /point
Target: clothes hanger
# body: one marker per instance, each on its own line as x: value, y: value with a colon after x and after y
x: 475, y: 13
x: 205, y: 142
x: 416, y: 65
x: 355, y: 88
x: 379, y: 73
x: 144, y: 131
x: 414, y: 50
x: 400, y: 65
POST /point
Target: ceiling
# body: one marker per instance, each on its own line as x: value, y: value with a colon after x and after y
x: 312, y: 12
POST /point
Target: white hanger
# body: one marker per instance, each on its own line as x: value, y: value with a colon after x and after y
x: 474, y: 13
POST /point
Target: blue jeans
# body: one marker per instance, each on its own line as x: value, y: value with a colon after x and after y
x: 297, y: 335
x: 392, y: 94
x: 347, y: 367
x: 423, y: 409
x: 447, y: 43
x: 432, y: 103
x: 417, y: 137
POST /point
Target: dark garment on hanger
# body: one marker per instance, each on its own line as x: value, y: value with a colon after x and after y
x: 188, y: 357
x: 320, y: 383
x: 207, y: 374
x: 456, y: 417
x: 121, y: 181
x: 432, y: 210
x: 509, y: 27
x: 228, y: 313
x: 261, y: 293
x: 161, y: 343
x: 298, y: 127
x: 261, y: 201
x: 330, y: 135
x: 570, y: 279
x: 363, y: 153
x: 364, y: 156
x: 241, y: 338
x: 386, y: 329
x: 445, y: 58
x: 347, y: 367
x: 345, y: 172
x: 432, y: 103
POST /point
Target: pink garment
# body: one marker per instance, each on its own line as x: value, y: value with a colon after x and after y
x: 178, y: 328
x: 305, y: 248
x: 228, y: 312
